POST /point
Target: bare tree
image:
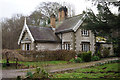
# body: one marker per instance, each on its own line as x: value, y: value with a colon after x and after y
x: 48, y: 8
x: 44, y: 11
x: 11, y: 29
x: 35, y: 18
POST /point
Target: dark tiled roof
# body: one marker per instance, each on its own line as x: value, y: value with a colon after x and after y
x: 43, y: 34
x: 68, y: 24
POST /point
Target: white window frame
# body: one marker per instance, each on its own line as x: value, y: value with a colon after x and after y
x: 67, y: 46
x: 85, y: 47
x: 27, y: 49
x: 23, y: 46
x: 85, y: 33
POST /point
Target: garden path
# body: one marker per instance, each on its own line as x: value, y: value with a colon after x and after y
x: 67, y: 67
x: 58, y: 68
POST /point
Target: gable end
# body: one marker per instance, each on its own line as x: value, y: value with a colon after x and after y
x: 21, y: 35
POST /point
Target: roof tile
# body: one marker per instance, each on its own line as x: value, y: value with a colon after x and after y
x: 43, y: 34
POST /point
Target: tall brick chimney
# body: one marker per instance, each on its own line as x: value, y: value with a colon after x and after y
x: 52, y: 21
x: 63, y: 13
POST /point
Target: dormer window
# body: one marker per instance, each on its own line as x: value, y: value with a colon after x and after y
x: 85, y: 33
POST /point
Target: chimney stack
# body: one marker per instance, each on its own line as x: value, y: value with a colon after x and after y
x: 52, y: 21
x: 63, y: 13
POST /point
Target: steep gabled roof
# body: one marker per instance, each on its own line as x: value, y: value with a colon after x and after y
x: 43, y: 34
x: 25, y: 27
x: 70, y: 24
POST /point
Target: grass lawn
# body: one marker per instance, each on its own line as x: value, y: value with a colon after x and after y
x: 104, y: 71
x: 40, y: 64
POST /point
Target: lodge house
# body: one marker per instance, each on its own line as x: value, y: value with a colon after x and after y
x: 65, y: 34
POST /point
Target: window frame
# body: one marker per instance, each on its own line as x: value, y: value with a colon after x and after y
x: 85, y: 33
x: 28, y: 47
x: 85, y: 46
x: 67, y: 46
x: 23, y: 46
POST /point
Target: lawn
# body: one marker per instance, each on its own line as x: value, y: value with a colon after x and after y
x: 104, y: 71
x: 35, y: 64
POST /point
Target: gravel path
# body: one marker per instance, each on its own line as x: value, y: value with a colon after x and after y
x: 22, y: 72
x: 77, y: 66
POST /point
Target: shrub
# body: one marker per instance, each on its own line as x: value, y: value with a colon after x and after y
x: 29, y: 74
x: 11, y: 55
x: 98, y: 54
x: 95, y: 58
x: 78, y: 60
x: 38, y: 70
x: 65, y: 55
x: 72, y: 60
x: 86, y: 56
x: 44, y: 73
x: 80, y: 54
x: 105, y: 52
x: 40, y: 73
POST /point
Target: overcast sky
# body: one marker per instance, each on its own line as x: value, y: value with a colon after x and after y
x: 8, y: 8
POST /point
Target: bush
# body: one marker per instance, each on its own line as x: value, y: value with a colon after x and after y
x: 40, y: 73
x: 38, y: 70
x: 98, y: 54
x: 64, y: 55
x: 95, y: 58
x: 86, y: 56
x: 72, y: 60
x: 78, y: 60
x: 105, y: 52
x: 80, y: 54
x: 29, y: 74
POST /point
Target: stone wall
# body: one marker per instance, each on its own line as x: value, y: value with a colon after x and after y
x: 109, y: 46
x: 74, y: 38
x: 68, y: 38
x: 79, y: 39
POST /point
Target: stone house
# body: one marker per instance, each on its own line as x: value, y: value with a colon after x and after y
x: 65, y: 34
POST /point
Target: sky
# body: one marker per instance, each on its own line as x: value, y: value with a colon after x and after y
x: 9, y: 8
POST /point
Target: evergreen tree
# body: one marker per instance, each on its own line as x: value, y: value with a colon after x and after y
x: 105, y: 23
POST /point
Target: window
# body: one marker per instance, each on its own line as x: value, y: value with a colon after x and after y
x: 27, y: 46
x: 85, y: 33
x: 85, y: 47
x: 67, y: 46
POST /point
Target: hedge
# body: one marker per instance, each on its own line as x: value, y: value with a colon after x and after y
x: 65, y: 55
x: 86, y: 56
